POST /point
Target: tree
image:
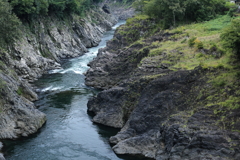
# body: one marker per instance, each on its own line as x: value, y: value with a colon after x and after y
x: 9, y: 24
x: 177, y: 7
x: 41, y: 6
x: 231, y: 36
x: 23, y: 7
x: 169, y: 12
x: 139, y: 5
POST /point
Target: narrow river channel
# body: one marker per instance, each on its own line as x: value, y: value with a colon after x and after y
x: 69, y: 133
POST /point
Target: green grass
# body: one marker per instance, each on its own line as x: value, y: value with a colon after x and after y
x: 207, y: 28
x: 20, y: 91
x: 204, y: 36
x: 201, y: 35
x: 137, y: 18
x: 223, y: 91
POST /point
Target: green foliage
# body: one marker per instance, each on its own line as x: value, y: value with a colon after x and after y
x: 231, y: 37
x: 20, y: 91
x: 169, y: 12
x: 194, y: 41
x: 204, y: 10
x: 232, y: 7
x: 21, y: 7
x: 191, y: 41
x: 9, y: 24
x: 136, y: 19
x: 24, y: 8
x: 200, y: 45
x: 41, y: 6
x: 231, y: 103
x: 57, y: 6
x: 135, y: 28
x: 139, y: 5
x: 219, y: 83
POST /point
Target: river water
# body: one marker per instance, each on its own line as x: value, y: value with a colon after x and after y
x: 69, y: 133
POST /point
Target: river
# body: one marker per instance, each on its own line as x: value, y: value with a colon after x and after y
x: 69, y: 133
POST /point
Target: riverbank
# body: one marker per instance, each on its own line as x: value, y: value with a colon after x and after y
x: 45, y: 42
x: 68, y: 132
x: 166, y: 96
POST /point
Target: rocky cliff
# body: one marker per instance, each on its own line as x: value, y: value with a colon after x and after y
x: 44, y: 42
x: 163, y: 112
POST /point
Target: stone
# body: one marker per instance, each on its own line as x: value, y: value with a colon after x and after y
x: 35, y: 54
x: 158, y: 108
x: 106, y: 9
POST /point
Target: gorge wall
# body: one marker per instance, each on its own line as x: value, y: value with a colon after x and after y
x: 45, y: 41
x: 163, y: 113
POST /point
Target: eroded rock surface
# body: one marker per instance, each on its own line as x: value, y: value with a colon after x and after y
x: 43, y: 44
x: 160, y: 111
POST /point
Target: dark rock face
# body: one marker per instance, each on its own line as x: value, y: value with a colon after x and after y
x: 159, y: 132
x: 159, y: 110
x: 117, y: 62
x: 156, y: 126
x: 110, y: 108
x: 106, y: 9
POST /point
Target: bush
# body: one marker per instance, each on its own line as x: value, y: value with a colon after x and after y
x: 200, y: 45
x: 172, y: 12
x: 231, y: 37
x: 191, y: 41
x: 194, y: 41
x: 9, y: 24
x: 232, y: 7
x: 26, y: 8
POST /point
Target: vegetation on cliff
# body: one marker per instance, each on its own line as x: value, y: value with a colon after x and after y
x: 213, y: 45
x: 174, y: 90
x: 31, y: 47
x: 9, y: 24
x: 15, y: 12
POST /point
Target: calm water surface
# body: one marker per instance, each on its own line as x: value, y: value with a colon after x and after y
x: 69, y: 133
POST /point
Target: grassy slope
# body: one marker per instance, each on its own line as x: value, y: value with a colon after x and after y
x: 222, y: 93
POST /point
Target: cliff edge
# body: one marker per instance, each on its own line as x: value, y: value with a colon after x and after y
x: 164, y: 95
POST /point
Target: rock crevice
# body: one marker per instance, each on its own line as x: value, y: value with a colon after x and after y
x: 158, y: 110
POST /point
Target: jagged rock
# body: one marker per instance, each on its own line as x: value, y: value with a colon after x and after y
x: 161, y: 113
x: 52, y: 40
x: 106, y: 8
x: 37, y: 52
x: 110, y: 106
x: 18, y: 115
x: 151, y: 129
x: 117, y: 62
x: 121, y: 12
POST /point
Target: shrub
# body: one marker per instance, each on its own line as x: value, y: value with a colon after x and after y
x: 191, y: 41
x: 198, y: 44
x: 9, y: 24
x: 231, y: 37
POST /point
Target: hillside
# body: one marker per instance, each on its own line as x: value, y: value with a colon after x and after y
x: 169, y: 77
x: 174, y: 93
